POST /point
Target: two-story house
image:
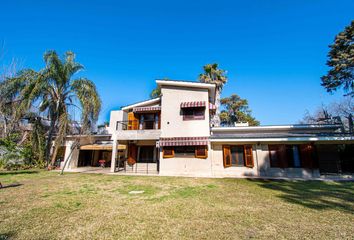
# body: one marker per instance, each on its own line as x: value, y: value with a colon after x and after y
x: 172, y: 135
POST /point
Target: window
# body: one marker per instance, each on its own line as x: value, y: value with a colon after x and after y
x: 185, y: 152
x: 194, y: 113
x: 168, y: 152
x: 238, y: 156
x: 292, y: 156
x: 201, y: 152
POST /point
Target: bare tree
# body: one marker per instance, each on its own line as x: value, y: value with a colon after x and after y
x: 345, y: 110
x: 7, y: 100
x: 337, y: 112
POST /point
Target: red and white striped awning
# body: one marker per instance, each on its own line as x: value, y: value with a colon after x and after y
x: 212, y: 106
x: 193, y: 104
x: 147, y: 109
x: 184, y: 141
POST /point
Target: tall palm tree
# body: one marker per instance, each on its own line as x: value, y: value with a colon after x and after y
x: 212, y: 74
x: 57, y: 94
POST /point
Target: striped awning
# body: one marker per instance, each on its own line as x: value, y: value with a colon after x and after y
x: 147, y: 109
x: 101, y: 147
x: 184, y: 141
x: 193, y: 104
x: 212, y: 106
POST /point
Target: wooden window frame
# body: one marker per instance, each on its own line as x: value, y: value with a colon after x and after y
x: 249, y: 161
x: 226, y: 150
x: 133, y: 121
x: 164, y: 155
x: 205, y: 153
x: 248, y: 157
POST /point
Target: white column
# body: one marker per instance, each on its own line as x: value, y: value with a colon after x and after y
x: 72, y: 156
x: 114, y: 153
x: 141, y: 122
x: 156, y: 121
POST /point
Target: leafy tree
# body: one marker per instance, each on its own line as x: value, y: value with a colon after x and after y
x: 212, y: 74
x: 341, y: 62
x: 57, y: 93
x: 236, y: 110
x: 155, y: 93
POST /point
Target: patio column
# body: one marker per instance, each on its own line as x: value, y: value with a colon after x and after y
x: 114, y: 153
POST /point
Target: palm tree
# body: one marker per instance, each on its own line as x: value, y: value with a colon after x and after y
x: 212, y: 74
x: 57, y: 95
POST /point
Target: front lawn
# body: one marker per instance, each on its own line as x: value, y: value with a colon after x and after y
x: 43, y: 205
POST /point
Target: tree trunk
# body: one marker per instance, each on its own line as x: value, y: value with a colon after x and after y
x: 54, y: 155
x: 5, y: 126
x: 215, y: 120
x: 67, y: 160
x: 350, y: 123
x: 49, y: 141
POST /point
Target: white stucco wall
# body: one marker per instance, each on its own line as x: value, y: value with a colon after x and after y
x: 218, y: 169
x: 74, y: 157
x: 189, y: 166
x: 261, y: 165
x: 116, y: 116
x: 172, y: 124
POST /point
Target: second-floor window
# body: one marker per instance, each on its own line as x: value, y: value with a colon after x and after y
x: 193, y: 113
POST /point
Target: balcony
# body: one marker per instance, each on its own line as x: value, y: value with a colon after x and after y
x: 135, y: 130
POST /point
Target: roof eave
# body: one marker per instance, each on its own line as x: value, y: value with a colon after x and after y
x: 142, y: 103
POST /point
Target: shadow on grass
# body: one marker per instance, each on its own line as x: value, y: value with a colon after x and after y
x: 10, y: 186
x: 7, y: 236
x: 3, y: 173
x: 317, y: 195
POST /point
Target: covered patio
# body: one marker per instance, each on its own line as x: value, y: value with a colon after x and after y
x: 100, y: 170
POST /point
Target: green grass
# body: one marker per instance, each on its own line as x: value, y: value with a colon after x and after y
x: 43, y: 205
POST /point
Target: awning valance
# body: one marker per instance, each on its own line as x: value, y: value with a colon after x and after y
x: 193, y: 104
x: 147, y: 109
x: 101, y: 147
x: 184, y: 141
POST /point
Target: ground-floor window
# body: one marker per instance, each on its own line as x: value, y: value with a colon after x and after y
x: 292, y: 156
x: 238, y: 156
x: 185, y: 152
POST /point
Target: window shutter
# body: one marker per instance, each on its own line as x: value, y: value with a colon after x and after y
x: 274, y: 155
x: 168, y: 152
x: 248, y: 156
x: 227, y: 156
x: 132, y: 154
x: 283, y: 161
x: 307, y: 156
x: 201, y: 152
x: 133, y: 122
x: 159, y: 117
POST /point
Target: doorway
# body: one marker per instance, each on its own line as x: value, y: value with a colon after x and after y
x: 146, y: 154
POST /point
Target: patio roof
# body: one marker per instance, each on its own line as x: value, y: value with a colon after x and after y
x: 102, y: 147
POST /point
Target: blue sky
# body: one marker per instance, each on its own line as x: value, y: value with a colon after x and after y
x: 274, y: 51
